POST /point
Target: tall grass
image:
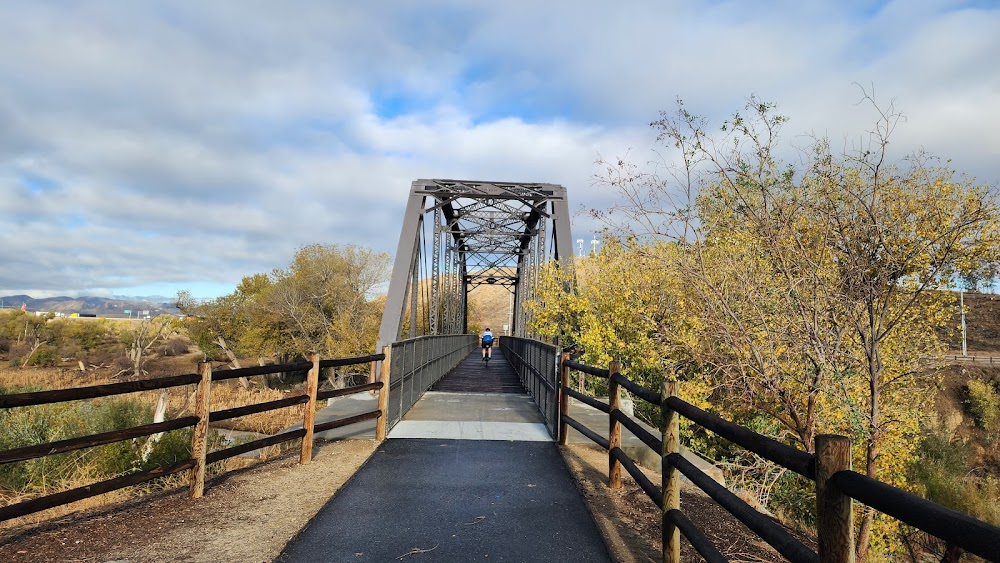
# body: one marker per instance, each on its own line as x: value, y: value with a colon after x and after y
x: 40, y: 424
x: 942, y: 472
x: 25, y: 426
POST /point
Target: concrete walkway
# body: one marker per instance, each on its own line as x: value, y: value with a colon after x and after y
x: 475, y: 402
x: 453, y: 500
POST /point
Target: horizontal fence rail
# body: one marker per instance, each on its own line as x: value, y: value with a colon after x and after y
x: 94, y: 391
x: 536, y: 365
x: 836, y: 484
x: 991, y: 360
x: 200, y: 457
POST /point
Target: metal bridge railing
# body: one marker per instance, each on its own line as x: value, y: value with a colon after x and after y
x: 537, y: 365
x: 417, y: 364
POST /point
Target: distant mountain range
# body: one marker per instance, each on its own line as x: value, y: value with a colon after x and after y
x: 100, y: 306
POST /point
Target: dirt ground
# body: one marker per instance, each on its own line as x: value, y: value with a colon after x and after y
x: 249, y: 515
x: 630, y: 521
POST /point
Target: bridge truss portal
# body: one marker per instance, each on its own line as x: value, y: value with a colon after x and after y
x: 458, y: 235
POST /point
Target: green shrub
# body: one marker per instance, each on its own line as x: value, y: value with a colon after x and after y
x: 27, y: 426
x: 942, y: 472
x: 984, y: 405
x: 45, y: 356
x: 174, y: 347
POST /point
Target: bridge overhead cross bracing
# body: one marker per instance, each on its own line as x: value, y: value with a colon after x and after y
x: 458, y: 235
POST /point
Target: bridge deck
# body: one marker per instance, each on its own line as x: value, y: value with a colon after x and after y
x: 475, y: 402
x: 473, y: 375
x: 449, y: 500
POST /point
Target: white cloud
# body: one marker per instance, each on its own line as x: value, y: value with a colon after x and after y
x: 212, y: 140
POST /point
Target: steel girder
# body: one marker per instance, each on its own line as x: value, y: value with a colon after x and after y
x: 461, y: 234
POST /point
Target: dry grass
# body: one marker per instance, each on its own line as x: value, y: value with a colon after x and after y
x: 229, y: 394
x: 180, y: 401
x: 50, y: 378
x: 225, y: 394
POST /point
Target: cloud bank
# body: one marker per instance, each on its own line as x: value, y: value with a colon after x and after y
x: 149, y: 147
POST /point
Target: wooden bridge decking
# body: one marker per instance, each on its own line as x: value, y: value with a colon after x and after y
x: 472, y: 375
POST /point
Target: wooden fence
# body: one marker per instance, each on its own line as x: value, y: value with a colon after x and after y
x: 990, y: 360
x: 829, y: 468
x: 200, y: 458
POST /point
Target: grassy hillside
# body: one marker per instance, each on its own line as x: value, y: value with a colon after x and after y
x: 982, y: 321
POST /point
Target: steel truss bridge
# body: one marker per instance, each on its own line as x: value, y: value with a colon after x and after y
x: 458, y: 235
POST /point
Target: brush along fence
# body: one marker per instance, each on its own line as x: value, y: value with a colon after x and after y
x: 200, y: 458
x: 829, y: 468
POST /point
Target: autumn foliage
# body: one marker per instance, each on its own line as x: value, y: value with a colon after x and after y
x: 798, y: 296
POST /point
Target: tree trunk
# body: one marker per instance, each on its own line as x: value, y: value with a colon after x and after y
x: 136, y: 356
x: 38, y: 344
x: 158, y: 416
x: 871, y: 455
x: 244, y: 382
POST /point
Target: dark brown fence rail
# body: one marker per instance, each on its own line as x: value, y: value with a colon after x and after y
x: 836, y: 484
x: 203, y: 415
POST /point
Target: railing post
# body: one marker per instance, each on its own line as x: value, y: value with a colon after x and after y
x: 671, y: 479
x: 383, y: 394
x: 614, y: 429
x: 309, y: 417
x: 834, y: 517
x: 199, y: 439
x: 563, y: 398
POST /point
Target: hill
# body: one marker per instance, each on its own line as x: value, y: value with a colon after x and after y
x: 982, y: 322
x: 100, y: 306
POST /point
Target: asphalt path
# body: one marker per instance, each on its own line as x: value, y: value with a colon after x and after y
x: 452, y: 500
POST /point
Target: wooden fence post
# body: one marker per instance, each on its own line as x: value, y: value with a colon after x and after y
x: 671, y: 478
x: 199, y: 439
x: 614, y: 429
x: 383, y: 394
x: 834, y: 517
x: 309, y: 417
x: 563, y: 398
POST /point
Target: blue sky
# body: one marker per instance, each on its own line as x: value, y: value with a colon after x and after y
x: 147, y: 147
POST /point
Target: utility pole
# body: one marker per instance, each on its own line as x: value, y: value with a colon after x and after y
x: 961, y: 302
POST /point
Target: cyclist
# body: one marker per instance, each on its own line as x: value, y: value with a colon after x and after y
x: 487, y: 339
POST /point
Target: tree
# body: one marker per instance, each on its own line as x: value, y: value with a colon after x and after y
x: 815, y: 282
x: 625, y: 307
x: 323, y: 302
x: 139, y: 338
